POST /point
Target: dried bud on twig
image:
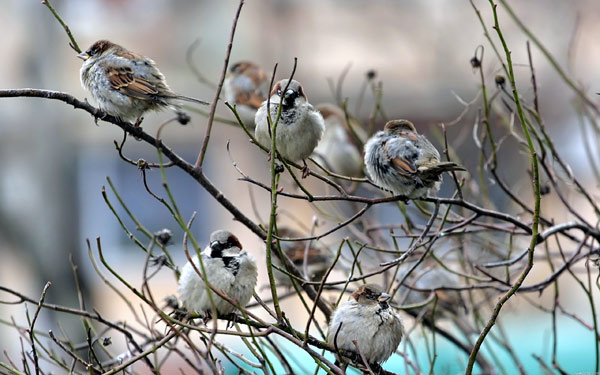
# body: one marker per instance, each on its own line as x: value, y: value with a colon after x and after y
x: 545, y: 189
x: 500, y: 81
x: 163, y: 236
x: 142, y: 164
x: 183, y: 118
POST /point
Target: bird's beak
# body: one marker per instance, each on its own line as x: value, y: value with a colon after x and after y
x: 84, y: 56
x: 384, y: 297
x: 289, y: 97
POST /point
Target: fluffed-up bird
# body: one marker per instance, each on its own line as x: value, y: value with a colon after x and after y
x: 430, y: 275
x: 228, y: 269
x: 246, y: 87
x: 124, y: 84
x: 338, y: 149
x: 367, y: 318
x: 299, y: 128
x: 318, y: 257
x: 405, y: 162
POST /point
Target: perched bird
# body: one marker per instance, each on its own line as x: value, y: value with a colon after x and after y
x: 338, y: 149
x: 246, y: 86
x: 124, y: 84
x: 367, y: 318
x: 228, y: 268
x: 405, y: 162
x: 300, y: 127
x: 318, y: 257
x: 430, y: 275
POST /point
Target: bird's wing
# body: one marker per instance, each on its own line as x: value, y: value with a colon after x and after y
x: 251, y: 99
x: 248, y: 89
x: 126, y: 82
x: 296, y: 253
x: 399, y: 160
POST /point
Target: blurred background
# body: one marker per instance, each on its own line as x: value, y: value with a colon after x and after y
x: 54, y: 160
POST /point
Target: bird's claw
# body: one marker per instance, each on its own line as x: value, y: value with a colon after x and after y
x: 97, y: 117
x: 305, y: 170
x: 233, y: 319
x: 138, y: 122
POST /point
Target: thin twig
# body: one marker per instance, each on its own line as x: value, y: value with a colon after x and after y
x: 73, y: 43
x: 31, y: 327
x: 213, y: 105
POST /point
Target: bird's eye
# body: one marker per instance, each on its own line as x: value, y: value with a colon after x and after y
x: 372, y: 295
x: 279, y: 92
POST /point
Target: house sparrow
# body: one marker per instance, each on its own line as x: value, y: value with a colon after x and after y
x: 300, y: 127
x: 125, y: 84
x: 318, y: 260
x: 430, y: 276
x: 246, y: 86
x: 228, y: 268
x: 405, y: 162
x: 338, y: 149
x: 367, y: 318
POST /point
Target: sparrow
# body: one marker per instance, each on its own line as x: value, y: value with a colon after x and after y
x: 124, y: 84
x: 338, y: 149
x: 431, y: 276
x: 228, y: 268
x: 367, y: 318
x: 405, y: 162
x: 300, y: 126
x: 246, y: 87
x: 318, y: 260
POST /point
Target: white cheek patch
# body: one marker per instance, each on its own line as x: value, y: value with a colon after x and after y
x: 231, y: 252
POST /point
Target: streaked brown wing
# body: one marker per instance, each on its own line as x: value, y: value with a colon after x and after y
x: 443, y: 295
x: 258, y: 77
x: 123, y: 80
x: 401, y: 165
x: 250, y: 99
x: 404, y: 166
x: 296, y: 253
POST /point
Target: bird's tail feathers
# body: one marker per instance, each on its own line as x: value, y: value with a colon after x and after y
x: 190, y: 99
x: 439, y: 168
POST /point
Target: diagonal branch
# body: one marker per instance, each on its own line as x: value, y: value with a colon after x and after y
x: 196, y: 173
